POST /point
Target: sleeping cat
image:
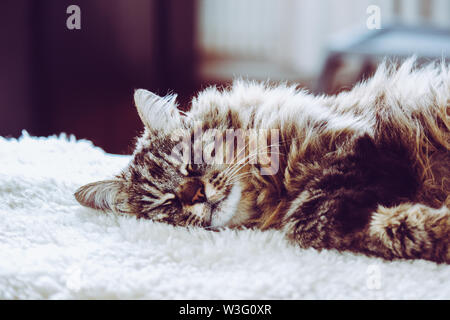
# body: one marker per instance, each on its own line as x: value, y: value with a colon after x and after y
x: 366, y: 170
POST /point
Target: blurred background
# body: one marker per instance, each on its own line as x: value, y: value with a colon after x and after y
x: 81, y: 81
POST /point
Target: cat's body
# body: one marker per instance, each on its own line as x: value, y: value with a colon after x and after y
x: 365, y: 171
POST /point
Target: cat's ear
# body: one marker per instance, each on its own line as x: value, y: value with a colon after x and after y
x: 157, y: 113
x: 101, y: 195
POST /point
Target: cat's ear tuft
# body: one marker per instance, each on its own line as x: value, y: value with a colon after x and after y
x: 101, y: 195
x: 157, y: 113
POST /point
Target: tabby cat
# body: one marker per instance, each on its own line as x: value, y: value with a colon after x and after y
x: 366, y: 170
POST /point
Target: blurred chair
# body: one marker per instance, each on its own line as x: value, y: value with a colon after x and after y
x: 362, y: 52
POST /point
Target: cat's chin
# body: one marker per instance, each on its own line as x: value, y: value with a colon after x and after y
x: 225, y: 213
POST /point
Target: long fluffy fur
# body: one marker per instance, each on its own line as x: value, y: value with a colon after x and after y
x: 366, y: 170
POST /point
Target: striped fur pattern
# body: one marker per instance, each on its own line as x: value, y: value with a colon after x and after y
x: 366, y: 171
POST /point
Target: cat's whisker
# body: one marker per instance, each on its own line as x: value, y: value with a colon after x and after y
x: 244, y: 163
x: 250, y: 157
x: 236, y: 178
x: 230, y: 168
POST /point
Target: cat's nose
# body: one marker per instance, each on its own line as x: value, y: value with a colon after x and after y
x: 199, y: 195
x: 192, y: 191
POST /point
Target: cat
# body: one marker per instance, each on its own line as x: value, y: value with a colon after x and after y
x: 366, y: 170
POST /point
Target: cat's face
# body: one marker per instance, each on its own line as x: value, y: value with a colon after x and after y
x: 169, y: 178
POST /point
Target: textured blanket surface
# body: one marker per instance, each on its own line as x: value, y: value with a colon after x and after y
x: 52, y: 248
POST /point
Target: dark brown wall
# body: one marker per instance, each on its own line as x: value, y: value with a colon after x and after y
x: 15, y: 83
x: 82, y: 81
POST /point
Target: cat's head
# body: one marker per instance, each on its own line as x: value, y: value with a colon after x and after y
x: 163, y: 180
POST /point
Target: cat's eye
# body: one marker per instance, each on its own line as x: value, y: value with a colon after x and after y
x: 170, y: 202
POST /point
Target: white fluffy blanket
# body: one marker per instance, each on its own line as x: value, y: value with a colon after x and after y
x: 52, y: 248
